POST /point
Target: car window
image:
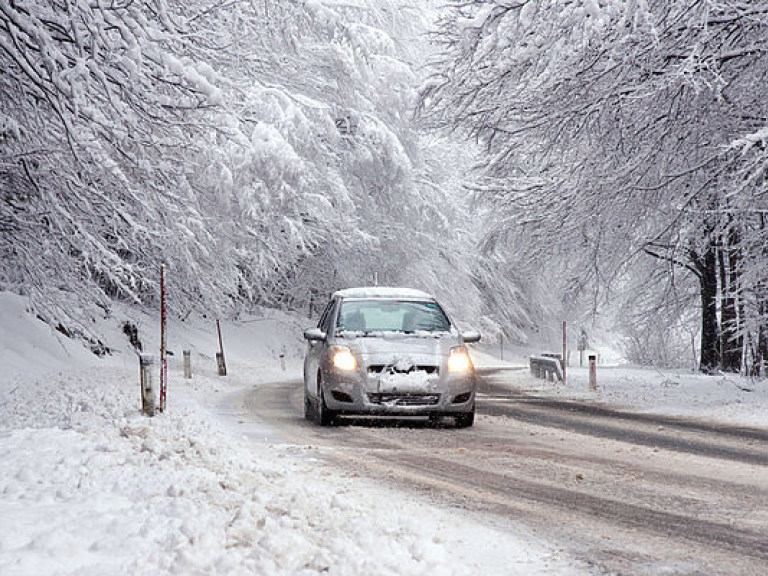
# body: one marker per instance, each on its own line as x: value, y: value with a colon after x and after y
x: 407, y: 316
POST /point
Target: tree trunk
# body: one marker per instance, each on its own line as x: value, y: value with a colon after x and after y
x: 722, y: 268
x: 706, y: 265
x: 760, y: 361
x: 761, y: 357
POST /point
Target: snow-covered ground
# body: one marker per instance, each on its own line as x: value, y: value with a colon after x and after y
x: 722, y: 398
x: 725, y: 398
x: 89, y: 486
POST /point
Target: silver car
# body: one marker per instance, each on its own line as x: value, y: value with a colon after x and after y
x: 388, y: 351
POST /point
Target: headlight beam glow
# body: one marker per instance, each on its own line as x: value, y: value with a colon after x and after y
x: 458, y: 360
x: 343, y: 359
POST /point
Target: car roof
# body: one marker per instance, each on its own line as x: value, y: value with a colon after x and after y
x: 383, y: 292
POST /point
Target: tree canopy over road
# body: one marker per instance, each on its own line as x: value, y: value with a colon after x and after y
x: 568, y: 159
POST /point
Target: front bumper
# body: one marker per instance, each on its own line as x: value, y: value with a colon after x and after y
x: 414, y: 394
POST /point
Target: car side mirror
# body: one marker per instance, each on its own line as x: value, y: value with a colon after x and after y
x: 470, y: 336
x: 314, y: 334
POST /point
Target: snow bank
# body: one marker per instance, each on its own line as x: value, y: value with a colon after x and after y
x: 723, y: 398
x: 29, y: 345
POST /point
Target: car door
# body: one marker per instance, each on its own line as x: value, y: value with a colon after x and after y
x: 316, y: 350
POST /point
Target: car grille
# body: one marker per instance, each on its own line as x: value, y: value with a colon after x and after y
x: 379, y: 368
x: 394, y: 399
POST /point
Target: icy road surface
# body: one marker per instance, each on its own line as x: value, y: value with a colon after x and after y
x: 624, y: 492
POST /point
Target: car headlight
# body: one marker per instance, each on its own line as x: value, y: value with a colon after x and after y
x: 343, y: 358
x: 458, y: 360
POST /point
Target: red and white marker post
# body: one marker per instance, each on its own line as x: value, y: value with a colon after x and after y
x: 163, y: 341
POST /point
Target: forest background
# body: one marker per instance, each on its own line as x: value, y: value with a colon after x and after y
x: 526, y: 161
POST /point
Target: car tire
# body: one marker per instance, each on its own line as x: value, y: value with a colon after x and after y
x: 323, y: 416
x: 466, y: 419
x: 309, y: 411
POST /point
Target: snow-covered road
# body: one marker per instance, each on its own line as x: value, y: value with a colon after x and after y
x: 623, y: 492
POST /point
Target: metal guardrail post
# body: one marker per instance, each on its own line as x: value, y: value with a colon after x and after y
x: 546, y: 367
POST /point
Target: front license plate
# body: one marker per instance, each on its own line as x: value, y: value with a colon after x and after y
x: 411, y: 382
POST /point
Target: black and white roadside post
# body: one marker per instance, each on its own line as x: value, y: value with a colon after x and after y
x: 187, y: 364
x: 592, y: 372
x: 147, y: 388
x: 220, y: 361
x: 583, y: 343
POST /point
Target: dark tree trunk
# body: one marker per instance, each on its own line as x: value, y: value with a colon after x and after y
x: 761, y: 357
x: 722, y: 269
x: 731, y: 341
x: 706, y: 265
x: 734, y: 349
x: 760, y: 362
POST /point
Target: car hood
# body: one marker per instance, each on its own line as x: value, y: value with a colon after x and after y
x: 395, y: 345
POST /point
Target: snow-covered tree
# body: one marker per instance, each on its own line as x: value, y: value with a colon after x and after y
x: 100, y: 113
x: 607, y: 127
x: 262, y: 151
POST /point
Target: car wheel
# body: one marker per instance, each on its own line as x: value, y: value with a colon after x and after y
x: 323, y: 416
x: 465, y: 420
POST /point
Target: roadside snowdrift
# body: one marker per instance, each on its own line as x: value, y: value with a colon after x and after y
x: 721, y: 398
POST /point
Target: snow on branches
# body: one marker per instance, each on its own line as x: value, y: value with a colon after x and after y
x: 623, y: 114
x: 262, y: 151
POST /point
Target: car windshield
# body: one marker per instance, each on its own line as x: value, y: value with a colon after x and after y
x: 408, y: 316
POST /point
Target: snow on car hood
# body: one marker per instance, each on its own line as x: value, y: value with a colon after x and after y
x: 392, y: 344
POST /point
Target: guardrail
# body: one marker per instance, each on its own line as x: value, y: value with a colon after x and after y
x: 546, y: 367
